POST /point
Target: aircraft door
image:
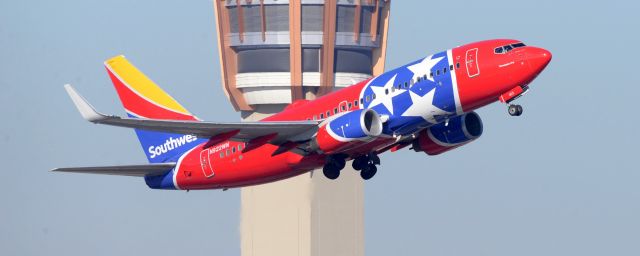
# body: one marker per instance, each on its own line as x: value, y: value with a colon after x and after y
x: 205, y: 164
x: 342, y: 107
x: 472, y: 62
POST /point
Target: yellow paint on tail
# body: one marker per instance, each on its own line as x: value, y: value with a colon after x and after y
x: 138, y: 82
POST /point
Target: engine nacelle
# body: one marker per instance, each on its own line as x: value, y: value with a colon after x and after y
x: 443, y: 137
x: 338, y: 133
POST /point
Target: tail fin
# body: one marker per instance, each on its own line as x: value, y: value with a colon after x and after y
x: 142, y: 98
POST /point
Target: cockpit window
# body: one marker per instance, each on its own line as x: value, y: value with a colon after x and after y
x: 507, y: 48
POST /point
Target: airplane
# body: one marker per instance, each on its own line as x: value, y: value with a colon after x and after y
x: 427, y: 104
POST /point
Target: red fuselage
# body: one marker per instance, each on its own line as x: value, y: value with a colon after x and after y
x: 480, y: 73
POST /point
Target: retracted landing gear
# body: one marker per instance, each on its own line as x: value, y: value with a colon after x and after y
x: 332, y: 167
x: 366, y: 165
x: 515, y: 110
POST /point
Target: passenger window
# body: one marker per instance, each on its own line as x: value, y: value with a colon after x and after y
x: 425, y: 77
x: 233, y: 150
x: 228, y: 152
x: 437, y: 72
x: 349, y: 105
x: 450, y: 67
x: 335, y: 111
x: 431, y: 74
x: 344, y: 107
x: 315, y: 117
x: 405, y: 84
x: 458, y: 65
x: 444, y: 70
x: 328, y: 113
x: 386, y: 91
x: 355, y: 103
x: 221, y: 154
x: 367, y: 98
x: 240, y: 146
x: 322, y: 116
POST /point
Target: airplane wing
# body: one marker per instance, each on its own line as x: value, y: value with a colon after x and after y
x: 123, y: 170
x: 243, y: 131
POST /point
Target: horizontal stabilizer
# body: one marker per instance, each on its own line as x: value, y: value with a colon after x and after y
x: 141, y: 170
x: 285, y: 131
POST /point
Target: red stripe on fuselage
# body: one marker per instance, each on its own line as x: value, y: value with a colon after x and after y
x: 239, y: 168
x: 323, y: 104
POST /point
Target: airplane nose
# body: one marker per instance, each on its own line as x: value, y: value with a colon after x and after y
x: 538, y: 58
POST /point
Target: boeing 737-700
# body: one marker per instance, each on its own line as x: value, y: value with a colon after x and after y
x: 427, y: 104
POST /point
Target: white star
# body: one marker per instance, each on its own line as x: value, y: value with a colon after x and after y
x: 424, y: 67
x: 383, y: 97
x: 423, y: 107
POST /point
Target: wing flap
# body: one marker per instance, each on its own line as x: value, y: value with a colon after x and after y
x: 246, y: 130
x: 141, y: 170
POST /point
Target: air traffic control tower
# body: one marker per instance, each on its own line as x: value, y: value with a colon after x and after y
x: 273, y: 52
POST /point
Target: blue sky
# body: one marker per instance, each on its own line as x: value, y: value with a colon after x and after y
x: 560, y: 180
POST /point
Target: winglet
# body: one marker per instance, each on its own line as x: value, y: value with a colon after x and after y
x: 86, y: 110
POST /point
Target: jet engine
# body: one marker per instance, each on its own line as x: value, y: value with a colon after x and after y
x: 339, y: 132
x: 446, y: 136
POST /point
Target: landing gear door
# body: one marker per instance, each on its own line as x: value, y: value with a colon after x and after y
x: 205, y: 164
x: 473, y: 69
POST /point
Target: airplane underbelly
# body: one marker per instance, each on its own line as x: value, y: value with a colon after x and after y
x: 257, y: 166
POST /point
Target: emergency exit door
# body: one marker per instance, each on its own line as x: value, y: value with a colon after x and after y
x: 205, y: 164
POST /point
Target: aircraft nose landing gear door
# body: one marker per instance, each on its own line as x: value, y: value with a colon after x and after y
x: 472, y: 62
x: 205, y: 163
